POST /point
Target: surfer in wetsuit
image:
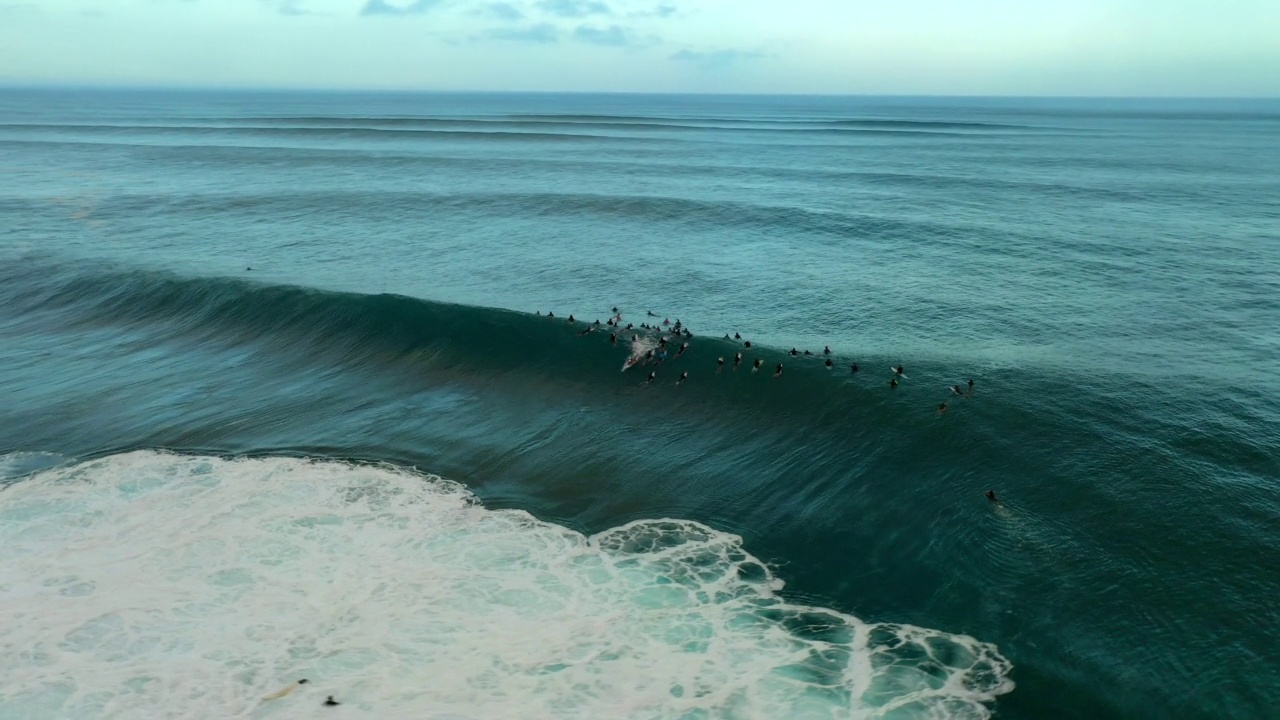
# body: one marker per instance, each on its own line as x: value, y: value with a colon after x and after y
x: 956, y: 390
x: 826, y: 349
x: 737, y: 360
x: 286, y: 690
x: 682, y: 349
x: 853, y: 368
x: 652, y: 374
x: 746, y: 344
x: 942, y: 408
x: 970, y: 386
x: 991, y: 495
x: 893, y: 382
x: 756, y: 365
x: 613, y: 338
x: 830, y: 364
x: 794, y: 352
x: 736, y: 336
x: 683, y: 376
x: 777, y: 372
x: 719, y: 364
x: 899, y: 370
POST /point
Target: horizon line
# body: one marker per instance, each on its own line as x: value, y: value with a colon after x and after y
x: 103, y: 87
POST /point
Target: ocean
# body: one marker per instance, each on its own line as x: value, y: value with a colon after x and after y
x: 283, y: 398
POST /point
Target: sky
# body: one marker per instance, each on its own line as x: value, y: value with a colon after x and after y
x: 909, y: 47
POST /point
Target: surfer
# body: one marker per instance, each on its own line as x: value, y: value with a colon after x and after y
x: 737, y: 360
x: 826, y: 349
x: 736, y: 336
x: 956, y: 390
x: 900, y: 370
x: 719, y: 364
x: 794, y: 352
x: 662, y: 355
x: 666, y: 322
x: 756, y: 366
x: 615, y: 310
x: 893, y: 382
x: 683, y: 347
x: 590, y: 329
x: 613, y: 339
x: 746, y: 344
x: 330, y: 702
x: 571, y: 320
x: 777, y: 372
x: 830, y: 364
x: 970, y: 386
x: 806, y: 352
x: 942, y: 408
x: 652, y: 374
x: 853, y: 368
x: 683, y: 376
x: 687, y: 333
x: 285, y: 690
x: 551, y: 314
x: 652, y: 314
x: 991, y: 495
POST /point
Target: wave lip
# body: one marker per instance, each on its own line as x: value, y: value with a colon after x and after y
x: 188, y: 586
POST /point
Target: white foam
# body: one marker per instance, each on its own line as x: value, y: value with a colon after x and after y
x: 158, y: 585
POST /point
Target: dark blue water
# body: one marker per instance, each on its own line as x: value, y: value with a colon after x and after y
x: 1106, y: 271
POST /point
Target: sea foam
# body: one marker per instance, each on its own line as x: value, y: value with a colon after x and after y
x: 156, y: 585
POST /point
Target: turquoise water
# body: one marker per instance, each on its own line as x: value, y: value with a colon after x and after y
x: 1106, y: 271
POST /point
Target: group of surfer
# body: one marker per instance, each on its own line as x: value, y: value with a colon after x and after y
x: 644, y: 353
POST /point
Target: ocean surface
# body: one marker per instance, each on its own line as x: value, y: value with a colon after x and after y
x: 282, y: 400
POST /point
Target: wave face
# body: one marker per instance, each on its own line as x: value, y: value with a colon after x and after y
x: 363, y: 280
x: 195, y: 586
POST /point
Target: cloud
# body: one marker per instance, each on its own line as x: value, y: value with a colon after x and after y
x: 288, y: 7
x: 501, y: 10
x: 613, y: 36
x: 382, y: 7
x: 575, y: 8
x: 662, y: 10
x: 716, y: 58
x: 544, y: 34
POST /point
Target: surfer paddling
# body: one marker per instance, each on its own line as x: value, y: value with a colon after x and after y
x: 286, y: 690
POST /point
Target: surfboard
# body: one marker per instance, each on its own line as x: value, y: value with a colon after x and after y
x: 895, y: 372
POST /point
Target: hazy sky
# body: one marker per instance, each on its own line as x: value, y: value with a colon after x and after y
x: 985, y: 47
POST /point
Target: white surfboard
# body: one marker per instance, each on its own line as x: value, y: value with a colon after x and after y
x: 895, y: 372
